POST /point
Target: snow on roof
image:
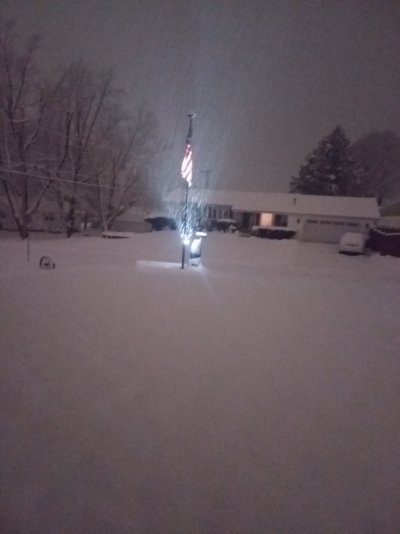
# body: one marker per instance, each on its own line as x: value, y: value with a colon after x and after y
x: 282, y: 203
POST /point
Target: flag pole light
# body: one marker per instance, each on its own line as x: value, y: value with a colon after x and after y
x: 187, y: 173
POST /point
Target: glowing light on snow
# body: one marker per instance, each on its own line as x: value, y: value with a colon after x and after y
x: 186, y: 239
x: 195, y: 246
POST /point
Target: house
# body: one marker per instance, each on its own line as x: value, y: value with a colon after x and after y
x: 314, y: 218
x: 47, y: 218
x: 132, y: 220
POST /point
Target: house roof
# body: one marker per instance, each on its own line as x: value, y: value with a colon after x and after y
x: 287, y: 203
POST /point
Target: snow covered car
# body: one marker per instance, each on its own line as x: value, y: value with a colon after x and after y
x: 352, y: 243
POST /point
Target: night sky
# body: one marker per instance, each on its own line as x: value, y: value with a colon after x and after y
x: 267, y: 79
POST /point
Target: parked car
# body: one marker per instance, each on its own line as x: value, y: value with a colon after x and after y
x: 352, y: 243
x: 226, y: 225
x: 161, y: 223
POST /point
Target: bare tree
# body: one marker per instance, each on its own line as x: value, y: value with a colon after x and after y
x: 23, y: 103
x: 67, y: 140
x: 126, y: 164
x: 82, y: 98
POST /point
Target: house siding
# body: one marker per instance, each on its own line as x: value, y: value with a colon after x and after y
x: 46, y: 219
x: 330, y: 229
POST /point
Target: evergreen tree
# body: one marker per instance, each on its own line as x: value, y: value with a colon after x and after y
x: 328, y: 169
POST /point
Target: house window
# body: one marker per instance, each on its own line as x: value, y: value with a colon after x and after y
x: 339, y: 223
x: 2, y: 215
x: 325, y: 222
x: 312, y: 221
x: 352, y: 224
x: 49, y: 217
x: 214, y: 213
x: 265, y: 219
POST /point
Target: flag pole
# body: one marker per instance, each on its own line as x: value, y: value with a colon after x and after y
x: 185, y: 223
x: 187, y: 175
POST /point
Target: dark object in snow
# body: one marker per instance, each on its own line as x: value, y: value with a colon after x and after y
x: 386, y: 241
x: 161, y: 223
x: 47, y: 262
x: 226, y: 225
x: 273, y: 232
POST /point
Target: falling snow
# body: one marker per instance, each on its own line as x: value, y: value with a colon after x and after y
x: 267, y: 80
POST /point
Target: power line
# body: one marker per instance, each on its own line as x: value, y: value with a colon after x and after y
x: 60, y: 180
x: 41, y: 168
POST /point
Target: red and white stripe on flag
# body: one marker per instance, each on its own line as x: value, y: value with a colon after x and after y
x: 187, y: 165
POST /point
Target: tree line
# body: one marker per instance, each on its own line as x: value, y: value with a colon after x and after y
x: 370, y: 167
x: 67, y: 138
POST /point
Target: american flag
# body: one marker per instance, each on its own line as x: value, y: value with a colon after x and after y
x: 187, y: 163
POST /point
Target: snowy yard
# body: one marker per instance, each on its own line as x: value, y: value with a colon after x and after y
x: 259, y: 393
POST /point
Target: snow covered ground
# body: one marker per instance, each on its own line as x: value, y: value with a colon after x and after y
x: 259, y: 393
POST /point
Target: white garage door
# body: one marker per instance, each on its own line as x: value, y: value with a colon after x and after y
x: 327, y: 231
